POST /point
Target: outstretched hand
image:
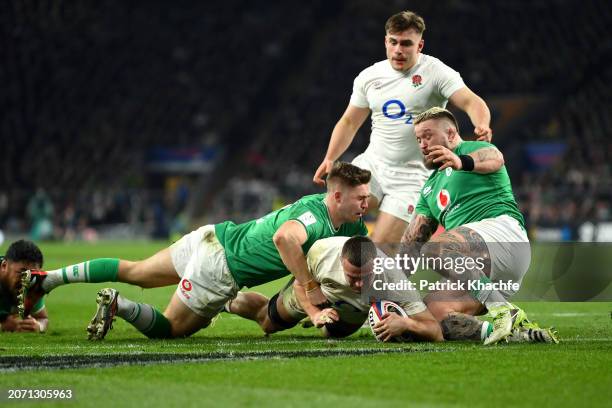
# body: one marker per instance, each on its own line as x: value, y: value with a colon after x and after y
x: 324, y: 169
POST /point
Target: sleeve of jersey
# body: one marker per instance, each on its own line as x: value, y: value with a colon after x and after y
x: 40, y: 305
x: 313, y: 260
x: 358, y: 97
x: 412, y: 308
x: 422, y: 207
x: 449, y: 81
x: 310, y: 220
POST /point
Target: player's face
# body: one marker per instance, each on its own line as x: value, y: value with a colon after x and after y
x: 428, y: 134
x: 403, y: 49
x: 354, y: 202
x: 356, y: 277
x: 10, y: 273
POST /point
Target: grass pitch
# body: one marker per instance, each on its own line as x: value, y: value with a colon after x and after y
x: 233, y: 364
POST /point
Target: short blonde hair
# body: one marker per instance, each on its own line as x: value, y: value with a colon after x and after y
x: 437, y: 113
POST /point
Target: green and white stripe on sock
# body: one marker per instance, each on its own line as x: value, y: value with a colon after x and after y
x: 95, y: 271
x: 485, y: 330
x: 145, y: 318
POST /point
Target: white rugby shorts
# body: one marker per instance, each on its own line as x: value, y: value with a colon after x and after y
x: 396, y: 186
x: 206, y: 281
x: 508, y: 246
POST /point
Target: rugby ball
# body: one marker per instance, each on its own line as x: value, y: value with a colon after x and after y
x: 378, y: 309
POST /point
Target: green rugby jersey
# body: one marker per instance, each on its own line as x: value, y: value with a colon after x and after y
x: 8, y: 303
x: 456, y: 197
x: 251, y: 254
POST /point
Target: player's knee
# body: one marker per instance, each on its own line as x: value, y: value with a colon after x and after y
x: 269, y: 327
x: 274, y: 321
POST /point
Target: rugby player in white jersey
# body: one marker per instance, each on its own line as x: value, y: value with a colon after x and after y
x: 346, y: 273
x: 342, y: 266
x: 395, y: 91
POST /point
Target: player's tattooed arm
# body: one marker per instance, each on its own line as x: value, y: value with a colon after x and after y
x: 418, y: 232
x: 420, y: 229
x: 487, y: 160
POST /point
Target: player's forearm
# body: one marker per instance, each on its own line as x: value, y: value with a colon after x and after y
x: 424, y: 330
x: 418, y: 232
x: 292, y: 256
x: 341, y: 138
x: 308, y: 308
x: 487, y: 160
x: 478, y: 111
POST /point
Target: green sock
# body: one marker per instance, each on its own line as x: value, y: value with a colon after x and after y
x: 96, y: 270
x: 145, y: 318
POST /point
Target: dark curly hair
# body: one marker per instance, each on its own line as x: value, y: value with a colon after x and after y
x: 24, y: 251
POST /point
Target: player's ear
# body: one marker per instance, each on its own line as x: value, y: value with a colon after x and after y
x: 451, y: 133
x: 421, y: 45
x: 338, y: 195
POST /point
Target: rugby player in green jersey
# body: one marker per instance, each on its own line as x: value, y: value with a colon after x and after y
x: 20, y: 256
x: 210, y: 265
x: 470, y: 195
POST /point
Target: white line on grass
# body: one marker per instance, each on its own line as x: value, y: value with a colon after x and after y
x: 21, y: 363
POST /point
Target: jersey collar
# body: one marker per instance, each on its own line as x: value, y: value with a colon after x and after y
x: 329, y: 219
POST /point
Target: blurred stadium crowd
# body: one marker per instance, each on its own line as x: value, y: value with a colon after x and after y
x: 91, y: 87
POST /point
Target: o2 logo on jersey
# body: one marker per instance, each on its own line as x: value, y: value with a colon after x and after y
x: 399, y: 111
x: 443, y: 199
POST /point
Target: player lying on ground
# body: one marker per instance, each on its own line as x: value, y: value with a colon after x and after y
x: 342, y: 266
x: 212, y: 263
x: 394, y: 91
x: 470, y: 194
x: 20, y: 256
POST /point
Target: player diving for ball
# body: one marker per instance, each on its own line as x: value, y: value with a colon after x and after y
x: 470, y: 195
x: 342, y: 266
x: 211, y: 264
x: 344, y: 269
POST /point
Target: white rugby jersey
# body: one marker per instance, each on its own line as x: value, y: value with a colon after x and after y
x: 396, y: 98
x: 325, y: 264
